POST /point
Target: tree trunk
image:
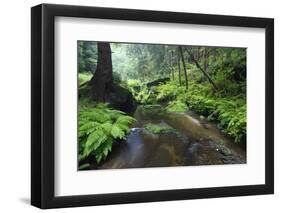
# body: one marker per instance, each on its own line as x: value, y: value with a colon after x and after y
x: 206, y: 56
x: 184, y: 68
x: 179, y: 68
x: 202, y: 70
x: 102, y: 80
x: 171, y: 66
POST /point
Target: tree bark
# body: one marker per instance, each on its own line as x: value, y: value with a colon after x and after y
x: 206, y: 56
x: 102, y: 80
x: 202, y: 70
x: 184, y: 68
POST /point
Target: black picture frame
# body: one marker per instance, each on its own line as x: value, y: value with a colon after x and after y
x: 43, y: 117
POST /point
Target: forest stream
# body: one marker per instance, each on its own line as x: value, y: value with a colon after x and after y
x: 193, y: 141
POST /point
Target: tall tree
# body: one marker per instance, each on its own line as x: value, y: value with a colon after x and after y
x: 206, y: 57
x: 179, y: 67
x: 102, y: 79
x: 184, y: 68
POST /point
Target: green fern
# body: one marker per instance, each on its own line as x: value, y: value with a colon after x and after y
x: 176, y: 106
x: 99, y: 126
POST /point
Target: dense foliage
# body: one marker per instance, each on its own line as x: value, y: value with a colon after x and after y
x: 99, y: 127
x: 210, y: 81
x: 227, y: 104
x: 87, y: 56
x: 230, y: 111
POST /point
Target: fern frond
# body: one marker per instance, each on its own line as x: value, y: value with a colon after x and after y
x: 117, y: 132
x: 98, y: 128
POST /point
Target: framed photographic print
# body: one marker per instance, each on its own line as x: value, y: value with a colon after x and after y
x: 140, y: 106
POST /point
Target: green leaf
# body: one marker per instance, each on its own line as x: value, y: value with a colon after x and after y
x: 116, y: 132
x: 98, y: 158
x: 99, y: 125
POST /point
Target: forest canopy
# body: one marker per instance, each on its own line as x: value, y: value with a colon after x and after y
x: 147, y: 62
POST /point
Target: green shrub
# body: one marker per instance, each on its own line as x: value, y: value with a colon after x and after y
x: 176, y: 106
x: 143, y: 95
x: 139, y: 90
x: 167, y: 92
x: 233, y: 120
x: 230, y: 112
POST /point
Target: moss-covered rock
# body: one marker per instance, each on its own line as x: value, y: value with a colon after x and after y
x: 159, y: 128
x: 121, y: 98
x: 157, y: 82
x: 117, y: 96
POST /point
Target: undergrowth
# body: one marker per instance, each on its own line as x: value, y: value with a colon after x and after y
x: 226, y: 105
x: 99, y: 127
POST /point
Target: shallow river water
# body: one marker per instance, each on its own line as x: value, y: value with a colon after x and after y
x: 195, y: 142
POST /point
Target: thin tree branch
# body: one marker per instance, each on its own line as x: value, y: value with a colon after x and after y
x: 201, y: 69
